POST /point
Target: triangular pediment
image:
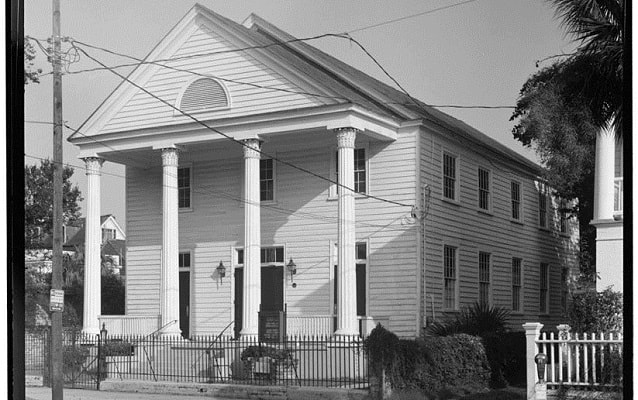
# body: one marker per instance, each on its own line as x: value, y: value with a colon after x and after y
x: 204, y: 45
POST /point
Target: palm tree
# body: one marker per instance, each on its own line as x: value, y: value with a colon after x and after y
x: 599, y: 26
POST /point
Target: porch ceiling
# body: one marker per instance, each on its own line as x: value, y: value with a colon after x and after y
x: 290, y: 128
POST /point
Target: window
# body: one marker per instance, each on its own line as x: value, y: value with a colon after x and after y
x: 266, y: 180
x: 516, y: 201
x: 449, y: 274
x: 107, y: 234
x: 184, y: 187
x: 562, y: 212
x: 563, y: 290
x: 184, y: 259
x: 268, y: 255
x: 484, y: 188
x: 544, y: 288
x: 360, y: 172
x: 516, y: 283
x: 542, y: 209
x: 484, y: 278
x: 449, y: 176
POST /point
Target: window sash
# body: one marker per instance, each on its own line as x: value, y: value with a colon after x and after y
x: 184, y: 187
x: 544, y: 287
x: 449, y: 176
x: 484, y: 188
x: 267, y: 255
x: 516, y: 283
x: 449, y: 273
x: 266, y: 180
x: 360, y: 171
x: 516, y: 200
x: 484, y: 278
x: 542, y: 209
x: 184, y: 260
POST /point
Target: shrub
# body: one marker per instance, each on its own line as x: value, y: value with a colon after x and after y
x: 593, y: 311
x: 265, y: 351
x: 73, y: 358
x: 431, y: 365
x: 116, y: 348
x: 506, y: 354
x: 478, y: 320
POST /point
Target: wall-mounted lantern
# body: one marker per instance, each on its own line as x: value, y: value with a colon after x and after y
x: 220, y: 271
x: 292, y: 268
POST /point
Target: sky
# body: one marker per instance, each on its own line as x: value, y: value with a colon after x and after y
x: 472, y: 53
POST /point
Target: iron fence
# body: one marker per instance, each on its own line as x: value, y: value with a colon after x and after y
x: 298, y: 361
x: 302, y: 361
x: 36, y: 361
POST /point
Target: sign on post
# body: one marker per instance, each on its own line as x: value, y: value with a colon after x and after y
x: 56, y: 302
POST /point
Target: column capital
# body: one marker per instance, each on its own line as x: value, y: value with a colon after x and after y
x: 252, y: 148
x: 170, y: 156
x: 346, y: 137
x: 93, y: 165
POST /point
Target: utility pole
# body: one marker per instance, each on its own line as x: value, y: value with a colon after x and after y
x: 58, y: 167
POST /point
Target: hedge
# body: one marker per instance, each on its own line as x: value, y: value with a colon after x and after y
x: 431, y: 364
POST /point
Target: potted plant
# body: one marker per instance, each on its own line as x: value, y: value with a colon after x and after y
x: 269, y: 362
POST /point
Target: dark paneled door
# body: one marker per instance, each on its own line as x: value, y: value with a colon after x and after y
x: 184, y: 302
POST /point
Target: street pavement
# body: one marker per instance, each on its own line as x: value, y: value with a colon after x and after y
x: 44, y: 393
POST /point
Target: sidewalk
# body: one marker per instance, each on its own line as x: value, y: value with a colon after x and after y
x: 44, y: 393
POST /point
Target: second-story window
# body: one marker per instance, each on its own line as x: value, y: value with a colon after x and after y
x: 449, y: 176
x: 484, y: 188
x: 542, y: 209
x: 184, y: 187
x: 360, y: 172
x: 266, y: 180
x: 562, y: 212
x: 516, y: 201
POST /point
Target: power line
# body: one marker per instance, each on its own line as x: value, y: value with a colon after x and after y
x: 218, y: 193
x: 273, y: 88
x: 239, y: 142
x: 409, y: 16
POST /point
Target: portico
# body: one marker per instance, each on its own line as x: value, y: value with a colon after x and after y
x: 352, y: 123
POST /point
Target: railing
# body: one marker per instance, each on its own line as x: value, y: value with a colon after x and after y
x: 303, y: 325
x: 310, y: 361
x: 576, y: 360
x: 130, y: 324
x: 618, y: 195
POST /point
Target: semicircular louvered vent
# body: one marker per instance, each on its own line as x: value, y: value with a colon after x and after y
x: 203, y: 94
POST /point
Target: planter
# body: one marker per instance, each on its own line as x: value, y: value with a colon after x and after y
x: 286, y: 369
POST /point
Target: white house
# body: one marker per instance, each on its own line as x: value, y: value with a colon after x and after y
x: 608, y: 211
x: 271, y: 175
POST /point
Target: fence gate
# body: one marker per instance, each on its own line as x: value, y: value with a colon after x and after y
x: 83, y: 366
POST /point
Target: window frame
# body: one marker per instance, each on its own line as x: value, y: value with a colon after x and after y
x: 563, y: 223
x: 274, y: 181
x: 333, y: 192
x: 455, y: 279
x: 520, y: 285
x: 520, y: 218
x: 489, y: 278
x: 544, y: 288
x: 457, y: 177
x: 188, y: 166
x: 544, y: 223
x: 488, y: 191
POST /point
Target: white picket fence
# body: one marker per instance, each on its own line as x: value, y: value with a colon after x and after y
x: 592, y: 360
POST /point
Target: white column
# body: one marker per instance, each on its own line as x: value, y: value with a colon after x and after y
x: 169, y: 275
x: 92, y: 248
x: 252, y: 240
x: 604, y: 175
x: 346, y: 281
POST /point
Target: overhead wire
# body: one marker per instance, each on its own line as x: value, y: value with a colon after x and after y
x: 239, y: 142
x: 219, y: 193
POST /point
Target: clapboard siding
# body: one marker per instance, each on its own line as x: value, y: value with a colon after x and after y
x: 303, y: 219
x: 144, y: 111
x: 472, y: 230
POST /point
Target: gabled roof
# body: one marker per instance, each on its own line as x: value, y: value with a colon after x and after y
x: 338, y: 81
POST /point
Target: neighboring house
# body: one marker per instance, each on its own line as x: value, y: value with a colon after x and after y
x: 608, y: 211
x: 441, y: 215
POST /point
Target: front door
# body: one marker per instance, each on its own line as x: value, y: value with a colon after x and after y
x: 184, y: 302
x: 272, y: 292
